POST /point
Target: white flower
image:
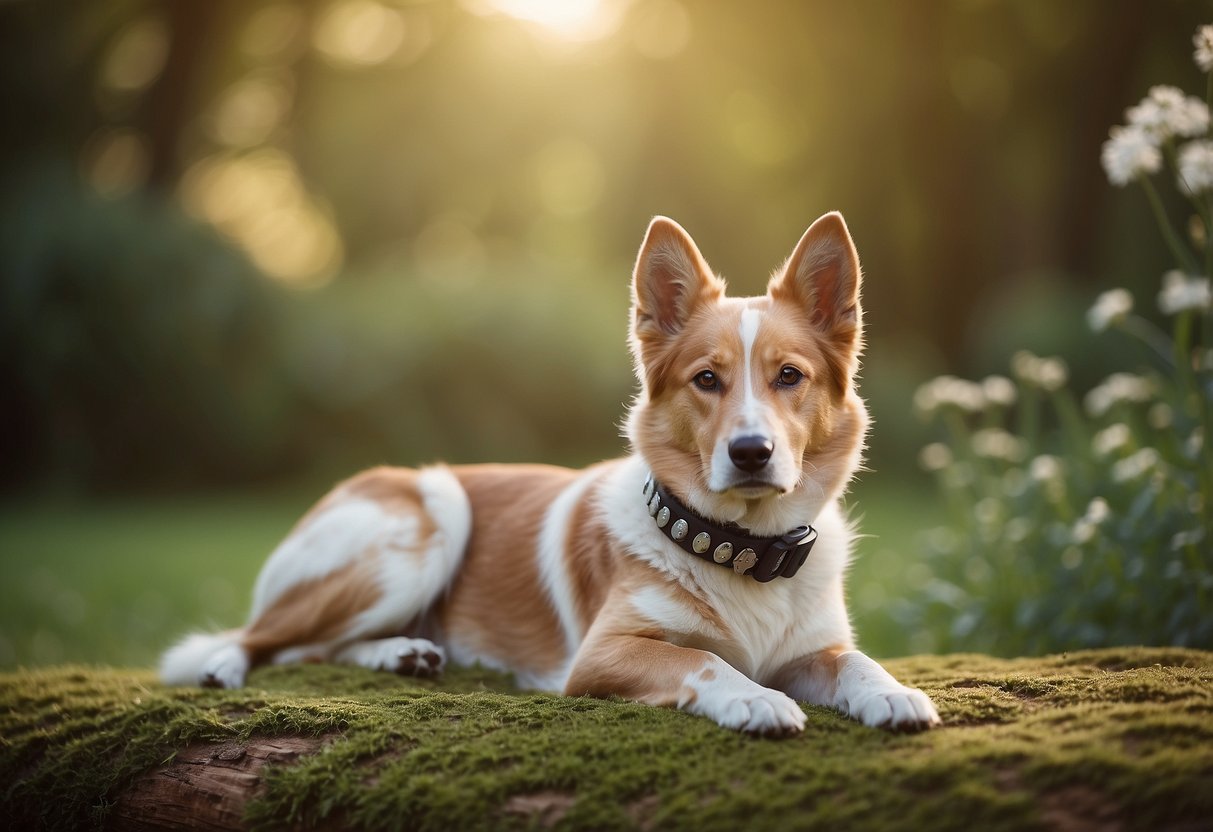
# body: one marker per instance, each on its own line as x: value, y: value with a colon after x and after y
x: 1135, y: 465
x: 1180, y: 293
x: 1045, y: 468
x: 996, y: 443
x: 1045, y: 373
x: 1128, y: 154
x: 1083, y: 531
x: 1188, y: 538
x: 1167, y: 112
x: 935, y: 457
x: 999, y: 390
x: 1195, y: 441
x: 1085, y: 527
x: 949, y: 390
x: 1097, y: 510
x: 1196, y: 167
x: 1116, y: 389
x: 1111, y: 438
x: 1203, y: 41
x: 1110, y: 308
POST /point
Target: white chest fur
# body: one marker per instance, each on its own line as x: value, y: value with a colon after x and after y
x: 756, y: 627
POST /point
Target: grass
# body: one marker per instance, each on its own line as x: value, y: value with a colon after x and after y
x: 114, y: 582
x: 1100, y: 739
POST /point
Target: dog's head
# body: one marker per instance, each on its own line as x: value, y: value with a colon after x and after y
x: 747, y: 406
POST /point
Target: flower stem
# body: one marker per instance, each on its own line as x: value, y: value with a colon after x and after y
x: 1152, y: 337
x: 1181, y: 252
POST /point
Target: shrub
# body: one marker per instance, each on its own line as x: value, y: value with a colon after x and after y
x: 1081, y: 523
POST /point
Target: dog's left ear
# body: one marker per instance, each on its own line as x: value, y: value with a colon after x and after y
x: 822, y: 277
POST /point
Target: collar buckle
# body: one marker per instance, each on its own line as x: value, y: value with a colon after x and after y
x: 785, y: 555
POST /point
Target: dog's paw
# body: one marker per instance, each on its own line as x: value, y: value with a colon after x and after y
x: 406, y: 656
x: 226, y: 668
x: 752, y: 709
x: 897, y: 709
x: 420, y: 657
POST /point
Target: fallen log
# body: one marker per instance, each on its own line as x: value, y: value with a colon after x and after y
x: 1094, y: 740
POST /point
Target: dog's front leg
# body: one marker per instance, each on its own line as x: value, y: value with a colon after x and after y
x: 859, y: 687
x: 646, y: 669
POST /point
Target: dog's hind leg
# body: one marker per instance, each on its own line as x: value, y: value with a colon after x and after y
x: 365, y: 563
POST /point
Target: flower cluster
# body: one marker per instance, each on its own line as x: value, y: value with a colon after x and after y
x: 1164, y: 115
x: 1181, y: 292
x: 1111, y: 308
x: 1203, y: 41
x: 1085, y: 520
x: 1045, y: 373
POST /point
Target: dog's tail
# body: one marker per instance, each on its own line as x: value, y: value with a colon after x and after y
x: 182, y: 664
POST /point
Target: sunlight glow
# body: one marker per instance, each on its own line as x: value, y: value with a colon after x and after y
x: 566, y: 19
x: 259, y: 201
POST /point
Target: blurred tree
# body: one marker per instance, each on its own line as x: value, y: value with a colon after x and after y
x: 455, y: 144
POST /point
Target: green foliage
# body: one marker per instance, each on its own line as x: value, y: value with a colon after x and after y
x: 1087, y: 532
x: 1075, y: 529
x: 139, y: 349
x: 506, y: 365
x: 427, y: 144
x: 133, y: 344
x: 1118, y: 734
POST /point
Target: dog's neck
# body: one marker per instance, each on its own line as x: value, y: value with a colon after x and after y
x: 770, y: 516
x: 761, y: 557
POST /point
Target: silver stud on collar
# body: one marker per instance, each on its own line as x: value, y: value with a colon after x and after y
x: 702, y: 542
x: 746, y: 559
x: 723, y: 552
x: 649, y: 487
x: 663, y: 517
x: 653, y: 504
x: 679, y: 530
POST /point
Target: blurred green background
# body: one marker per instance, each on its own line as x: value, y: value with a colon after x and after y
x: 247, y: 248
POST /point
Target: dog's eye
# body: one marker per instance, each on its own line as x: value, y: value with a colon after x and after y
x: 789, y: 376
x: 707, y: 380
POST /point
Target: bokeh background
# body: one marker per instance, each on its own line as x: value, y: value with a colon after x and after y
x: 249, y: 247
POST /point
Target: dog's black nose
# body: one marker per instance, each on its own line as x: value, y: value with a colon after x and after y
x: 750, y: 453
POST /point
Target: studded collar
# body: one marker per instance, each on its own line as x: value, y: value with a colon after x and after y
x: 762, y: 558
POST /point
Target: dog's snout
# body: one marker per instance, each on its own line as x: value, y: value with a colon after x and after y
x: 751, y: 453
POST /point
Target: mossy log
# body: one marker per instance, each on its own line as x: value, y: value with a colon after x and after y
x: 1112, y: 739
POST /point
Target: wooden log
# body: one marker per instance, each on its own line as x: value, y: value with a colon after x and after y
x: 205, y: 786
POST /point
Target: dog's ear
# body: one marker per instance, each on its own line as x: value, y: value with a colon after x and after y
x: 670, y: 281
x: 823, y: 277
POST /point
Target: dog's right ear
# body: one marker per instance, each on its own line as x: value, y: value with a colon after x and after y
x: 670, y: 281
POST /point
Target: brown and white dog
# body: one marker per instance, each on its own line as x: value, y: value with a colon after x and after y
x: 635, y: 577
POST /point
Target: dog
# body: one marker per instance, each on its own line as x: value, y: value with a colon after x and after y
x: 704, y: 571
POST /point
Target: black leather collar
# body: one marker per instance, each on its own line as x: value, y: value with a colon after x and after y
x: 762, y: 558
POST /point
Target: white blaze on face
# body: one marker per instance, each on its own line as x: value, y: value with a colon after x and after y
x: 755, y: 417
x: 751, y: 412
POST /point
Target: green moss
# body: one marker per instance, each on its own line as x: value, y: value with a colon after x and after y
x: 1029, y: 743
